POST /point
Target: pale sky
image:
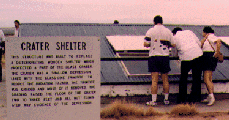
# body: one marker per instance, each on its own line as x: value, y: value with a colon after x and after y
x: 198, y: 12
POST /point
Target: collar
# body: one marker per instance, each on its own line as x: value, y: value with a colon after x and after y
x: 158, y: 25
x: 211, y: 35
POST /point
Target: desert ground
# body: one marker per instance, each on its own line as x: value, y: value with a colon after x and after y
x: 126, y: 111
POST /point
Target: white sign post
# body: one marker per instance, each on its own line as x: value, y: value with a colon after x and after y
x: 53, y: 78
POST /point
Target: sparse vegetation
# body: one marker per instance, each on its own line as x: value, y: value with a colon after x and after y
x: 152, y: 112
x: 211, y: 114
x: 184, y: 110
x: 121, y: 109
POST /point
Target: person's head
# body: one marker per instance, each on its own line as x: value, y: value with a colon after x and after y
x: 207, y: 30
x: 157, y: 19
x: 174, y: 31
x: 17, y: 23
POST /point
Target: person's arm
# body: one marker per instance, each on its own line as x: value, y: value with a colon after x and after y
x: 146, y: 44
x: 172, y: 43
x: 218, y: 45
x: 173, y: 46
x: 203, y: 40
x: 147, y: 41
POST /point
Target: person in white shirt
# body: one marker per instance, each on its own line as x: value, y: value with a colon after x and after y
x: 2, y: 37
x: 2, y: 41
x: 158, y: 39
x: 209, y: 42
x: 190, y: 54
x: 17, y: 29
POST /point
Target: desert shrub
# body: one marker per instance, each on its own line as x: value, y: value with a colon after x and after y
x: 184, y: 109
x: 152, y: 112
x: 120, y: 109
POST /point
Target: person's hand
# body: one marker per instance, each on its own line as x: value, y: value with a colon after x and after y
x: 216, y: 54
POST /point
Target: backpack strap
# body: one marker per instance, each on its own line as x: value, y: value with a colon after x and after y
x: 211, y: 45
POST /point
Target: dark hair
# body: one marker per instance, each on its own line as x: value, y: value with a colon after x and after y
x: 208, y: 29
x: 158, y: 19
x: 176, y: 29
x: 17, y: 21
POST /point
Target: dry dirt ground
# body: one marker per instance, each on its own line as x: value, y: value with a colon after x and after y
x: 129, y: 111
x: 200, y: 116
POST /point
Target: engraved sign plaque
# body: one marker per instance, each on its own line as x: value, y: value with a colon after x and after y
x: 53, y: 78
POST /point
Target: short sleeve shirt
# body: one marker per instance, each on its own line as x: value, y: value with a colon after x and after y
x: 158, y: 33
x: 16, y: 32
x: 212, y: 39
x: 188, y: 45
